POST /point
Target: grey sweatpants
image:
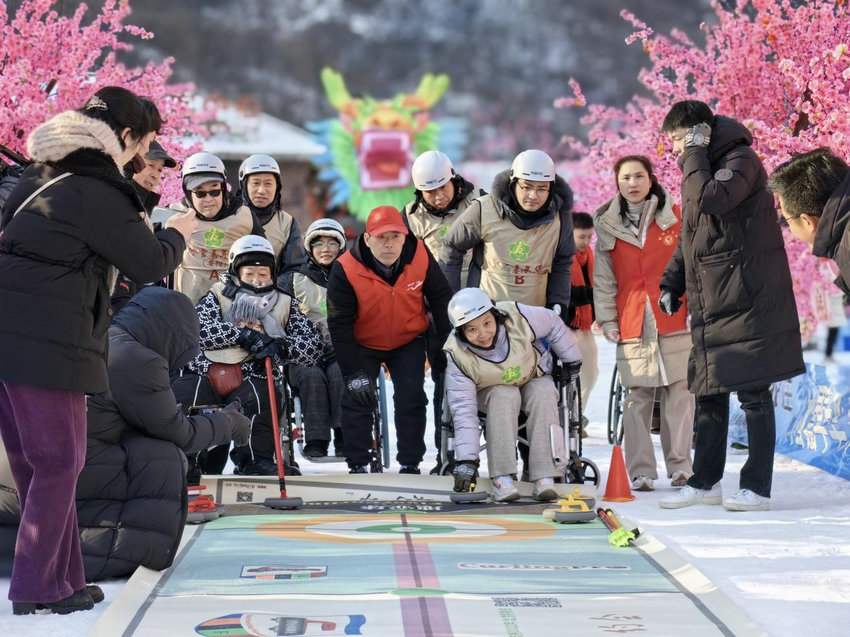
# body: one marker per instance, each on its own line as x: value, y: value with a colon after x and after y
x: 538, y: 398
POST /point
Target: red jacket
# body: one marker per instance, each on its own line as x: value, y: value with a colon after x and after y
x: 388, y: 316
x: 638, y: 272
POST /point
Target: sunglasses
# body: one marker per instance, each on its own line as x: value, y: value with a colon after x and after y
x: 201, y: 194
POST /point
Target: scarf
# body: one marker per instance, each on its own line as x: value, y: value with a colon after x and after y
x: 252, y: 308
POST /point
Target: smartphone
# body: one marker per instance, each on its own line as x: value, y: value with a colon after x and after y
x: 205, y: 409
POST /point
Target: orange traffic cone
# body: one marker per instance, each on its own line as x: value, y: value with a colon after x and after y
x: 618, y: 488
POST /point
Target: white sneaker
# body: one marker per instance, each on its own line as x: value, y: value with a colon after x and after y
x: 687, y: 495
x: 504, y: 489
x: 679, y: 479
x: 642, y: 483
x: 746, y: 500
x: 544, y: 490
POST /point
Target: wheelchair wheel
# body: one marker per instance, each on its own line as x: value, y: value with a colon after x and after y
x: 615, y: 410
x: 582, y: 471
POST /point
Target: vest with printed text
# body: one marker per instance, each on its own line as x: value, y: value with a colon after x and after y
x: 516, y: 262
x: 388, y: 316
x: 520, y: 365
x: 232, y: 355
x: 206, y: 252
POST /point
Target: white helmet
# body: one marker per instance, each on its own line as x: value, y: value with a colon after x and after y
x: 534, y: 165
x: 202, y: 168
x: 259, y: 164
x: 468, y: 304
x: 324, y: 227
x: 431, y: 170
x: 251, y: 249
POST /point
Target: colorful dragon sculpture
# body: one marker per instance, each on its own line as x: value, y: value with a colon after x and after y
x: 372, y: 144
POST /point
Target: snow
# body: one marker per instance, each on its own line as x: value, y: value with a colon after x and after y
x: 788, y: 568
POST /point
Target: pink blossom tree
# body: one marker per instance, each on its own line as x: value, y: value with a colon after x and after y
x: 782, y: 67
x: 50, y: 63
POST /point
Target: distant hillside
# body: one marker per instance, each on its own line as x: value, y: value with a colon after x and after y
x: 508, y: 59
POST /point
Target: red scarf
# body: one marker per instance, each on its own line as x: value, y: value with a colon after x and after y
x: 584, y: 313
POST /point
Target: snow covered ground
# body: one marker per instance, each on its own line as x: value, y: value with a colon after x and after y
x: 788, y: 568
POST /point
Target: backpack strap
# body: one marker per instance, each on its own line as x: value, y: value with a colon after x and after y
x: 39, y: 191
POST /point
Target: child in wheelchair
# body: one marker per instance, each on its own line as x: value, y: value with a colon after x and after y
x: 500, y: 362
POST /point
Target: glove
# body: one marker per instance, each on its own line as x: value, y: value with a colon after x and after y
x: 699, y: 136
x: 437, y: 360
x: 329, y: 353
x: 240, y: 425
x: 260, y: 345
x: 667, y: 303
x: 361, y: 388
x: 466, y: 475
x: 611, y: 332
x: 570, y: 371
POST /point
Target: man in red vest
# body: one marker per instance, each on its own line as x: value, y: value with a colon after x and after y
x: 377, y: 295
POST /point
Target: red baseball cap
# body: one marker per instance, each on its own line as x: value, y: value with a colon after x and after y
x: 385, y: 219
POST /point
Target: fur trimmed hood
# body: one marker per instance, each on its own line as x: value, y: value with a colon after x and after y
x: 70, y: 131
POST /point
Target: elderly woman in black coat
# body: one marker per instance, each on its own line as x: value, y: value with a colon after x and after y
x: 71, y: 219
x: 731, y: 261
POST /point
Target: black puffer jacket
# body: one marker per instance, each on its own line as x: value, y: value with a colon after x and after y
x: 131, y: 494
x: 831, y: 238
x: 56, y: 256
x: 731, y: 261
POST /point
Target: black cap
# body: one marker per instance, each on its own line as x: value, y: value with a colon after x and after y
x: 156, y: 151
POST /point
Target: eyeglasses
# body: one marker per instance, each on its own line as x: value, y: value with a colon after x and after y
x: 783, y: 221
x: 537, y: 191
x: 201, y: 194
x: 325, y: 244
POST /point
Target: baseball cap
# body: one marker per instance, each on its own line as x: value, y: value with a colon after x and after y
x: 156, y: 151
x: 385, y: 219
x: 191, y: 182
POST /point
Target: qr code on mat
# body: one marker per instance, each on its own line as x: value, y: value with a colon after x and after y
x: 527, y: 602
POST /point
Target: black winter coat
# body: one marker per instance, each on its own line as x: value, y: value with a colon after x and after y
x: 732, y: 263
x: 55, y: 258
x: 831, y: 238
x: 131, y: 494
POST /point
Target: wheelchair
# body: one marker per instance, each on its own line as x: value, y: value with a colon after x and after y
x: 616, y: 402
x: 578, y: 469
x: 380, y: 451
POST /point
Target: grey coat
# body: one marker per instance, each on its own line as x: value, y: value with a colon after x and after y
x: 731, y: 261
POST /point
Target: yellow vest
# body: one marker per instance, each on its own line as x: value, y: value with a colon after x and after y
x: 431, y: 229
x: 277, y: 230
x: 521, y: 364
x: 206, y: 252
x: 313, y: 302
x: 516, y: 262
x: 231, y: 355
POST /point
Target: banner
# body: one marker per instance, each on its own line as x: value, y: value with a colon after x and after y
x: 812, y: 418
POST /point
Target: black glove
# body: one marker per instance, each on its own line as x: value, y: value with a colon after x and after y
x: 260, y: 345
x: 361, y: 388
x: 437, y: 360
x: 570, y: 371
x: 668, y: 304
x: 329, y: 353
x: 699, y: 136
x: 466, y: 475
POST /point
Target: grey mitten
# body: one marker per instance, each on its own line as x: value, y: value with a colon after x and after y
x: 699, y: 135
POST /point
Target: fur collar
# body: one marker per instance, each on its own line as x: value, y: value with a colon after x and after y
x: 70, y: 131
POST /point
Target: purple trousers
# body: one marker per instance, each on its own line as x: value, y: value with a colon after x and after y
x: 44, y: 431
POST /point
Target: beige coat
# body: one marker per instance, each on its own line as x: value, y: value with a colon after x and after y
x: 650, y: 360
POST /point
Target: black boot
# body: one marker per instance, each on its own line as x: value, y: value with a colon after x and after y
x: 80, y: 600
